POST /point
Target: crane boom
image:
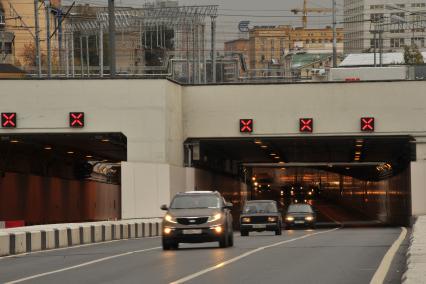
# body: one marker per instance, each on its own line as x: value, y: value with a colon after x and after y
x: 305, y: 10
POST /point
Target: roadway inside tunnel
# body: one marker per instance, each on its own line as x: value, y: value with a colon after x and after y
x: 352, y: 180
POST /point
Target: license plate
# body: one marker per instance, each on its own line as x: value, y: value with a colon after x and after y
x: 193, y: 232
x: 259, y: 226
x: 299, y: 222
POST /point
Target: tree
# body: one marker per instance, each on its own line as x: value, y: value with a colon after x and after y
x: 412, y: 55
x: 29, y: 54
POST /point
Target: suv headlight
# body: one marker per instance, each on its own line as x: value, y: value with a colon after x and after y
x: 289, y: 218
x: 309, y: 218
x: 214, y: 218
x: 170, y: 218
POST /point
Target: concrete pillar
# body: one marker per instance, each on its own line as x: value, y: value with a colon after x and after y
x: 418, y: 179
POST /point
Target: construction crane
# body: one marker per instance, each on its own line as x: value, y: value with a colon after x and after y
x: 307, y: 10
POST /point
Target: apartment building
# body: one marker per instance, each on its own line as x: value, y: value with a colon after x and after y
x: 402, y: 22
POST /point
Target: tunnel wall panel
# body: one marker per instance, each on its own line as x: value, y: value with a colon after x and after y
x: 387, y: 201
x: 43, y: 200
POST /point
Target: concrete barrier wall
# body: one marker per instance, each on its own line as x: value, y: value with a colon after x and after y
x: 36, y: 238
x: 416, y: 254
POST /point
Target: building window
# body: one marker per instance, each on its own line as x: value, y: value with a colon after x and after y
x: 396, y: 42
x: 2, y: 22
x: 376, y: 17
x: 372, y: 41
x: 419, y: 41
x: 6, y: 48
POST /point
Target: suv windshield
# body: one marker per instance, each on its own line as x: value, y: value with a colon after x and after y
x: 195, y: 201
x: 260, y: 207
x: 302, y: 208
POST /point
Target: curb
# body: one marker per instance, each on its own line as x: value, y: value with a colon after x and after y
x: 39, y: 238
x: 416, y: 254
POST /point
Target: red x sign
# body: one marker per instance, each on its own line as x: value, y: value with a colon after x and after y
x: 8, y: 120
x: 76, y: 119
x: 246, y: 125
x: 367, y: 124
x: 306, y: 125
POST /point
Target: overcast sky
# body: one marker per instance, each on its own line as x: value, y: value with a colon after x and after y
x: 263, y: 12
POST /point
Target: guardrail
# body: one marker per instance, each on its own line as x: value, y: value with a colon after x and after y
x: 37, y: 238
x: 416, y: 254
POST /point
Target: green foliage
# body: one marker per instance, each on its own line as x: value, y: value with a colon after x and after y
x: 412, y: 55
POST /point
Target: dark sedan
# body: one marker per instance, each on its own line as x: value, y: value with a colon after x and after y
x: 260, y: 215
x: 300, y: 215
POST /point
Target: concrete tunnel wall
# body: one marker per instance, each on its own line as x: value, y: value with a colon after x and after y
x: 387, y: 201
x: 157, y: 116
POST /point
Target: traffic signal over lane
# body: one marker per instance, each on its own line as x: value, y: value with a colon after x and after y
x: 76, y: 119
x: 8, y: 120
x: 367, y: 124
x: 306, y: 125
x: 246, y: 125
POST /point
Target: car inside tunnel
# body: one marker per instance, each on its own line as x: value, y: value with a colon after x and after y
x: 352, y: 181
x: 61, y: 177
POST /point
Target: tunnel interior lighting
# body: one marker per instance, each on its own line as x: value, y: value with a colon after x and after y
x: 258, y: 142
x: 70, y: 152
x: 256, y: 183
x: 253, y: 178
x: 272, y: 154
x: 276, y: 157
x: 14, y: 141
x: 47, y: 147
x: 89, y: 156
x: 105, y: 140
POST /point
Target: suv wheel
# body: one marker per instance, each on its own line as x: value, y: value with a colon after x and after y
x: 231, y: 239
x: 223, y: 242
x: 244, y: 233
x: 168, y: 245
x: 278, y: 231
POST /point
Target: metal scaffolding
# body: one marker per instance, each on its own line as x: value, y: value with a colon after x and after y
x: 150, y: 41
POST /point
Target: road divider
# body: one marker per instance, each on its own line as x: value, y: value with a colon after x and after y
x: 45, y: 237
x: 416, y: 254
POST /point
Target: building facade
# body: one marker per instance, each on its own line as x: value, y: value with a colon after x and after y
x: 17, y: 32
x: 402, y: 22
x: 269, y: 46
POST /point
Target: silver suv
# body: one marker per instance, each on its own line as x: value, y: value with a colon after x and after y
x: 197, y: 217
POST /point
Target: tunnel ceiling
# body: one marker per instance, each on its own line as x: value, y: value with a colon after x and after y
x: 98, y: 146
x: 396, y: 150
x: 309, y: 150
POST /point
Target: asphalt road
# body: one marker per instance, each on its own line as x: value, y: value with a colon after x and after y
x: 298, y: 256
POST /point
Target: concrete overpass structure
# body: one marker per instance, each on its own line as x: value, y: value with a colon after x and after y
x: 158, y: 116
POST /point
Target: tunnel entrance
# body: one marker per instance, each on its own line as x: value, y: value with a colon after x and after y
x: 61, y: 177
x: 349, y: 180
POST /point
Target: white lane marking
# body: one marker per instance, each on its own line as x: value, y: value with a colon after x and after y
x: 80, y: 265
x: 244, y: 255
x: 382, y: 271
x: 73, y: 247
